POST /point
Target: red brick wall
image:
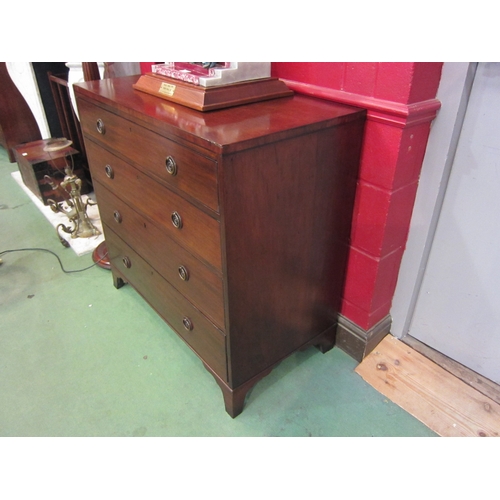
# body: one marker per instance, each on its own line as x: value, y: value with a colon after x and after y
x: 400, y: 98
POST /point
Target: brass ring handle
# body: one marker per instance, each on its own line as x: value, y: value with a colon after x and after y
x: 126, y: 262
x: 110, y: 173
x: 171, y: 166
x: 176, y: 220
x: 100, y: 126
x: 187, y: 323
x: 183, y: 273
x: 117, y: 216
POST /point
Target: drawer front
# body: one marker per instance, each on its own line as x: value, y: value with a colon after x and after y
x: 204, y: 338
x: 187, y: 225
x: 187, y: 274
x: 172, y: 163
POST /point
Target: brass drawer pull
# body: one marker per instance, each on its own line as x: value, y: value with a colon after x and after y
x: 117, y: 216
x: 176, y: 220
x: 187, y: 323
x: 100, y: 126
x: 126, y: 262
x: 183, y: 273
x: 171, y: 166
x: 110, y: 173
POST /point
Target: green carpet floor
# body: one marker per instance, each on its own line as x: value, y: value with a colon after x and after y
x: 81, y: 358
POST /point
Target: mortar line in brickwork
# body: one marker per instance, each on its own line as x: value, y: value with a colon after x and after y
x: 344, y: 71
x: 378, y: 188
x: 357, y: 306
x: 385, y: 190
x: 390, y: 191
x: 405, y: 186
x: 374, y: 257
x: 361, y: 308
x: 375, y: 87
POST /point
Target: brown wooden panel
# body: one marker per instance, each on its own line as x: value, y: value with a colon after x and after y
x: 203, y: 286
x: 286, y: 209
x: 211, y: 98
x: 200, y: 233
x: 206, y: 340
x: 195, y: 174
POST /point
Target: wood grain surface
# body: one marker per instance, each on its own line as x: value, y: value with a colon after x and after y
x: 434, y: 396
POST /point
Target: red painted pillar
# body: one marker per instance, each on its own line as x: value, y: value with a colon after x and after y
x: 146, y: 67
x: 400, y: 99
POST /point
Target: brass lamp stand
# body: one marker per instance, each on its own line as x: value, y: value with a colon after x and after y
x: 70, y: 187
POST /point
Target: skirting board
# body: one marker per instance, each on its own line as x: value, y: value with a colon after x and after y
x: 356, y: 341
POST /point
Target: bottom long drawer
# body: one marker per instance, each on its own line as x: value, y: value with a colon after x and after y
x: 207, y: 341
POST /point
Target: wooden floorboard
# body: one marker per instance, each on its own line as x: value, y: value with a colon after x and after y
x: 431, y: 394
x: 475, y: 380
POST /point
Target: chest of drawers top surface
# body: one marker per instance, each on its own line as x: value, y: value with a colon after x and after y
x: 226, y: 130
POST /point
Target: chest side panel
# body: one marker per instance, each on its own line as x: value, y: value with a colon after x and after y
x: 287, y: 210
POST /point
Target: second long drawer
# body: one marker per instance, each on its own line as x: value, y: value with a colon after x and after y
x: 192, y: 228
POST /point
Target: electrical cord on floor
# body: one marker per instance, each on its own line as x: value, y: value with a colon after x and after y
x: 55, y: 255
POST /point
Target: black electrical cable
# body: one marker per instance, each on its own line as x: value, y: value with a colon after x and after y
x: 56, y: 256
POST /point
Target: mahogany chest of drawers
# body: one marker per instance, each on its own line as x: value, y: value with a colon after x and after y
x: 232, y: 224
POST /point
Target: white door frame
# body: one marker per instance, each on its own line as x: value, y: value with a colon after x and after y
x: 454, y: 92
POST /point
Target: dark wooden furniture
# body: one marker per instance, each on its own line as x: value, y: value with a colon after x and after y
x: 42, y: 71
x: 69, y: 123
x: 211, y: 98
x: 35, y: 163
x: 17, y: 123
x: 232, y: 224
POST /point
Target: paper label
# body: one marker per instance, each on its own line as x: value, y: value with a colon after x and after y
x: 167, y: 89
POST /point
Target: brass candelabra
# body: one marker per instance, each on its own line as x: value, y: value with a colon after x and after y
x: 76, y: 210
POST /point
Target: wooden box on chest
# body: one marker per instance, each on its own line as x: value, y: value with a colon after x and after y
x: 233, y: 224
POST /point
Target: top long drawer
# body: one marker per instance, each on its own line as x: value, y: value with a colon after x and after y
x: 177, y: 165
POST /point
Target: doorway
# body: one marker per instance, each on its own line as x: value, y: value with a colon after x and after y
x: 457, y: 310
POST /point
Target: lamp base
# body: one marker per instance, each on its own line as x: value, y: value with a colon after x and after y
x: 100, y: 256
